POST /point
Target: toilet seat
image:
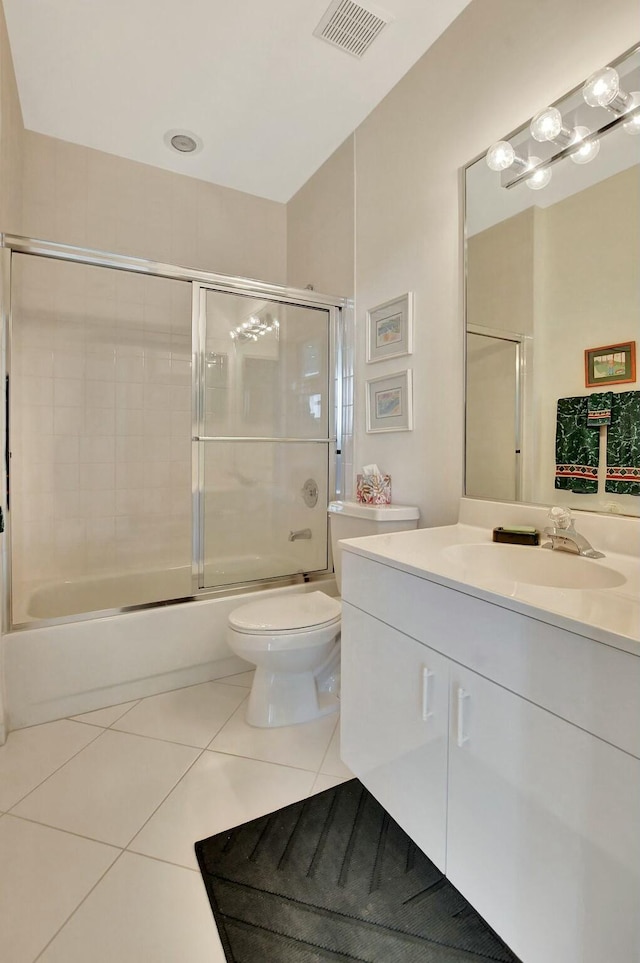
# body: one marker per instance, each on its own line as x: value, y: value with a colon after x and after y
x: 286, y: 616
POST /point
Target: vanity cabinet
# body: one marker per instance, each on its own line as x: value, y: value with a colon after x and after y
x: 542, y: 834
x: 395, y: 725
x: 534, y: 818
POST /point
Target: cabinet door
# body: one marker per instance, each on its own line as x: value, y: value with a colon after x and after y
x: 394, y: 725
x: 543, y: 830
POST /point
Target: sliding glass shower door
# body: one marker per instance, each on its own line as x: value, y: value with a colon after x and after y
x: 263, y: 437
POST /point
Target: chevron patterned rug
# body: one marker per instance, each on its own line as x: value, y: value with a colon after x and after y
x: 335, y: 878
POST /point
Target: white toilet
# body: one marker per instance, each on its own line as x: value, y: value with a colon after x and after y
x: 294, y: 640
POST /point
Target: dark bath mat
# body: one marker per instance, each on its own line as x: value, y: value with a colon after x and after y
x: 335, y: 878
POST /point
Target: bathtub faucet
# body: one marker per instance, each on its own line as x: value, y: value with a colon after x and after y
x: 301, y: 533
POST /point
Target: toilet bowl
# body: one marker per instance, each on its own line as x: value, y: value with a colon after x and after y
x: 294, y: 640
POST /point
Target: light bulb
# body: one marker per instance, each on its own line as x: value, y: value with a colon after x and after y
x: 547, y: 124
x: 633, y: 126
x: 538, y: 179
x: 587, y: 151
x: 602, y: 87
x: 500, y: 156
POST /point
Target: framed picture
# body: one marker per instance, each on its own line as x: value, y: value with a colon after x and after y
x: 390, y: 403
x: 613, y: 364
x: 390, y: 329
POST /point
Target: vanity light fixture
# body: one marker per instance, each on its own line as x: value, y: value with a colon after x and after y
x: 502, y: 156
x: 548, y: 125
x: 602, y: 89
x: 580, y: 143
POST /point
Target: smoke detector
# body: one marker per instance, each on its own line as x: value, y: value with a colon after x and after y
x: 352, y: 26
x: 183, y: 141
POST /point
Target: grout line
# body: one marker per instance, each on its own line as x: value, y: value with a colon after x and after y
x: 69, y: 832
x: 164, y: 799
x: 159, y: 859
x: 82, y: 901
x: 57, y: 769
x: 267, y: 762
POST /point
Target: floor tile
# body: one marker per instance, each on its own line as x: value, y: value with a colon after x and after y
x: 242, y: 678
x: 191, y: 716
x: 105, y: 717
x: 141, y: 910
x: 45, y: 875
x: 109, y: 789
x: 332, y: 764
x: 325, y: 782
x: 30, y: 755
x: 303, y: 746
x: 218, y: 792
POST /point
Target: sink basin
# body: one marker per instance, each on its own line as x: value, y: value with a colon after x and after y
x: 532, y: 565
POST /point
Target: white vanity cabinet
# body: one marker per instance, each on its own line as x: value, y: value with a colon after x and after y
x: 395, y: 725
x: 542, y: 834
x: 534, y: 817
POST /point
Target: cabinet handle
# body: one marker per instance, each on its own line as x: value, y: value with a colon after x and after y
x: 427, y: 711
x: 463, y: 700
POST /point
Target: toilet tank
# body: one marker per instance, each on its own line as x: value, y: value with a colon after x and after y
x: 354, y: 520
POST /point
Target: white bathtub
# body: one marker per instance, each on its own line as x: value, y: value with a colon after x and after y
x: 53, y: 671
x: 55, y: 600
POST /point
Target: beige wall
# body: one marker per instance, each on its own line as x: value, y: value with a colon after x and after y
x: 588, y: 295
x: 11, y: 139
x: 500, y: 275
x: 11, y: 133
x: 320, y: 227
x: 77, y: 195
x: 498, y: 63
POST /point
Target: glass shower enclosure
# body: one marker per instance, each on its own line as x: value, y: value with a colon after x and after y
x: 170, y: 433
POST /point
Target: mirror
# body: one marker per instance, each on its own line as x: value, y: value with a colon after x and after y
x: 552, y: 273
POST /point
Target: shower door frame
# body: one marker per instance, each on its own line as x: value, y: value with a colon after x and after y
x: 200, y: 439
x: 201, y: 281
x: 520, y: 343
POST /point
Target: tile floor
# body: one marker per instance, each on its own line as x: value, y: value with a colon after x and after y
x: 99, y: 814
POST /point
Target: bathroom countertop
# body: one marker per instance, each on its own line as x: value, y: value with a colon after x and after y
x: 609, y: 615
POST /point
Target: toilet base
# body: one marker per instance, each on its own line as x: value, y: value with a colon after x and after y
x: 286, y: 699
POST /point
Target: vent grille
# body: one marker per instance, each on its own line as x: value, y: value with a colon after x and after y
x: 351, y: 26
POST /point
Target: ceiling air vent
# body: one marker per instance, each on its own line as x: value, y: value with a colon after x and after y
x: 351, y: 26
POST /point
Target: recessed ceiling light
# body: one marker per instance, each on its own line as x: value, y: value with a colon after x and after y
x: 183, y: 141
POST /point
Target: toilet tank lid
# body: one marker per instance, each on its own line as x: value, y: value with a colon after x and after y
x: 376, y: 513
x: 286, y: 613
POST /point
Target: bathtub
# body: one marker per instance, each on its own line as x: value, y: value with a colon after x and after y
x: 65, y: 669
x: 59, y: 599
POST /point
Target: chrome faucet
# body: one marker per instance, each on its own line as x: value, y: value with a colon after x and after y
x: 563, y: 535
x: 301, y: 533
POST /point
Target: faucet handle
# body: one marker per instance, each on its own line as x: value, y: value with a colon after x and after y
x: 560, y: 517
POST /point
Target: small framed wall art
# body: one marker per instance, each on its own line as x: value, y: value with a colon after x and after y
x: 612, y: 364
x: 390, y: 402
x: 390, y: 329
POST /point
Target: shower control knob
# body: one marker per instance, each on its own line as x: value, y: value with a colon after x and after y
x: 310, y: 493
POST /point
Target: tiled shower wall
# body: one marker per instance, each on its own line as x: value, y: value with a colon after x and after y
x: 101, y: 423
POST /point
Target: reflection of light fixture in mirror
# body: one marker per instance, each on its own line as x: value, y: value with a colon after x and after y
x: 540, y: 178
x: 254, y: 328
x: 633, y: 126
x: 588, y: 148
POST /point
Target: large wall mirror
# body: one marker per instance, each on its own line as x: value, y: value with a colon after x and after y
x: 553, y: 303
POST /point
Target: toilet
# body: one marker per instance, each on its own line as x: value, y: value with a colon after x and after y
x: 294, y: 640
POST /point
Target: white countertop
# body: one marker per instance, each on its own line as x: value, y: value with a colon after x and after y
x: 608, y: 615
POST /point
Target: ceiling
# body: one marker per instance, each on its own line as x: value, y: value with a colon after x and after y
x: 268, y: 99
